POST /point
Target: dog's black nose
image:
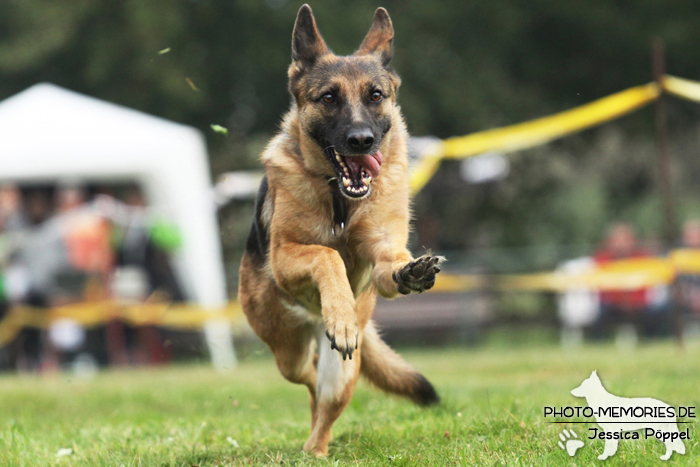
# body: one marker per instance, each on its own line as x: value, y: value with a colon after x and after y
x: 360, y: 139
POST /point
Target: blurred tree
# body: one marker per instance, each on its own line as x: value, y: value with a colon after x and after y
x: 466, y: 66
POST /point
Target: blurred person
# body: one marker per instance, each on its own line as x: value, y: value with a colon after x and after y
x: 691, y: 234
x: 688, y: 283
x: 29, y: 276
x: 629, y: 311
x: 69, y: 198
x: 39, y: 207
x: 12, y: 215
x: 5, y: 353
x: 145, y: 261
x: 13, y: 223
x: 17, y: 219
x: 149, y: 245
x: 578, y: 308
x: 68, y: 255
x: 87, y: 233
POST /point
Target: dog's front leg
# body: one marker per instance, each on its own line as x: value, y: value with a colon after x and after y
x: 296, y: 266
x: 396, y: 272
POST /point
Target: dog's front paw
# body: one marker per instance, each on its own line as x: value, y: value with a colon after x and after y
x: 343, y: 336
x: 418, y: 275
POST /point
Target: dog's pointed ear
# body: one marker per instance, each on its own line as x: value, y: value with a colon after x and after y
x: 380, y: 38
x: 594, y: 375
x: 307, y: 43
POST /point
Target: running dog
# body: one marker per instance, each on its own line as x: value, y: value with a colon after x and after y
x: 331, y: 227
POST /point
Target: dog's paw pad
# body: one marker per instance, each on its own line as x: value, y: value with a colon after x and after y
x: 418, y: 275
x: 569, y: 442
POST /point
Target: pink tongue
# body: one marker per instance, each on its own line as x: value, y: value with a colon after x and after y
x: 369, y: 162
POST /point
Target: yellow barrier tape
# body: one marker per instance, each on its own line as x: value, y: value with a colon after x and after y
x: 423, y: 172
x: 542, y: 130
x: 535, y: 132
x: 461, y: 283
x: 628, y: 274
x: 686, y: 260
x: 183, y: 317
x: 680, y: 87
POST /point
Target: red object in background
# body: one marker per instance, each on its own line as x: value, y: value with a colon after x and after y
x: 621, y: 243
x: 88, y: 243
x: 630, y: 301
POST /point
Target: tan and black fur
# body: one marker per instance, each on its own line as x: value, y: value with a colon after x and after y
x: 309, y: 291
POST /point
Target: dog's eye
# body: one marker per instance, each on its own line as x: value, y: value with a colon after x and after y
x: 328, y: 98
x: 377, y: 96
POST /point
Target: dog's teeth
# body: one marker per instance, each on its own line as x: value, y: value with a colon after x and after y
x: 366, y: 179
x: 339, y: 159
x: 346, y: 182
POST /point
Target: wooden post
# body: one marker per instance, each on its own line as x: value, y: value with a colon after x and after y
x: 658, y: 59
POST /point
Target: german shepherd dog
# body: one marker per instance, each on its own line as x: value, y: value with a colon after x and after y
x: 331, y: 227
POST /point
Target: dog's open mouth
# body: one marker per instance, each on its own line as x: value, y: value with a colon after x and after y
x: 355, y: 172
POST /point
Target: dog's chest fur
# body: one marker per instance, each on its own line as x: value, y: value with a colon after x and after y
x: 358, y: 268
x: 308, y: 214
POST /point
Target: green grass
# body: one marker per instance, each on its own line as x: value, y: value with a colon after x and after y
x: 492, y: 413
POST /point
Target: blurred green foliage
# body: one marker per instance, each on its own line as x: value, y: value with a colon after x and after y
x: 466, y: 66
x: 165, y: 235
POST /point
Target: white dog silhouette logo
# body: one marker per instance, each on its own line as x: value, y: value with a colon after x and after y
x: 617, y: 415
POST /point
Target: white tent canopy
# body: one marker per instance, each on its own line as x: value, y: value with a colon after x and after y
x: 48, y: 133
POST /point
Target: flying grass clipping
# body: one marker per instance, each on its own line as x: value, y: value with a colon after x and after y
x: 219, y: 129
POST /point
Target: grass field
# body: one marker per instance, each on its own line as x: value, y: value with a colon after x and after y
x: 492, y: 413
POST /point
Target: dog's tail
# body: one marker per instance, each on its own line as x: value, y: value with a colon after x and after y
x: 388, y: 371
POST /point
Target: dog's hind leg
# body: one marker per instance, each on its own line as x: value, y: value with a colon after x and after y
x: 335, y: 384
x: 282, y: 325
x: 296, y: 360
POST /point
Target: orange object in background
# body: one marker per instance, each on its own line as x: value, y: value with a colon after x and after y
x: 88, y: 244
